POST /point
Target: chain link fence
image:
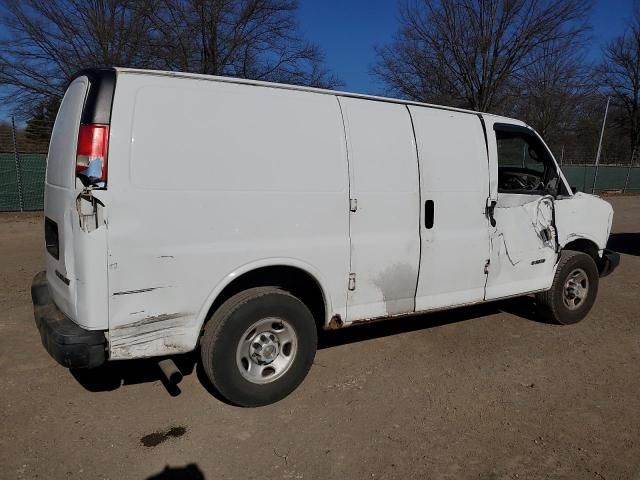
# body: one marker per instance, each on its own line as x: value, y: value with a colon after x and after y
x: 617, y: 171
x: 23, y: 159
x: 603, y: 178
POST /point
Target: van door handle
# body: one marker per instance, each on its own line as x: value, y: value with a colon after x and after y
x: 490, y: 210
x: 429, y: 214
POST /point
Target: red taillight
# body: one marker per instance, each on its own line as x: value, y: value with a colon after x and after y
x: 91, y: 156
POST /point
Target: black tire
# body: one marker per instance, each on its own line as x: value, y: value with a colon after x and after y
x: 551, y: 304
x: 223, y: 334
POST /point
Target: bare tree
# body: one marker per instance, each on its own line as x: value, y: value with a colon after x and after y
x: 469, y: 52
x: 256, y: 39
x: 620, y: 75
x: 550, y: 93
x: 46, y: 41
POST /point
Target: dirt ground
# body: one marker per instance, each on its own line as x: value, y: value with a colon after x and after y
x: 484, y: 393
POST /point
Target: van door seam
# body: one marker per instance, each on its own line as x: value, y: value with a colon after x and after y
x: 491, y: 238
x: 349, y: 180
x: 420, y: 206
x: 484, y: 130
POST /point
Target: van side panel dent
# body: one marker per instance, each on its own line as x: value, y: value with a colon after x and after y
x: 90, y: 262
x: 535, y: 221
x: 523, y: 245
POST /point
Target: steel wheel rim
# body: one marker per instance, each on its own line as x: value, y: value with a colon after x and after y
x: 576, y: 289
x: 266, y: 350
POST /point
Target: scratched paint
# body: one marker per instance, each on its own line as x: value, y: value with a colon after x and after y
x: 150, y: 335
x: 133, y: 292
x: 150, y: 320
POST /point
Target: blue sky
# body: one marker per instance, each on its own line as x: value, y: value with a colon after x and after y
x: 347, y: 30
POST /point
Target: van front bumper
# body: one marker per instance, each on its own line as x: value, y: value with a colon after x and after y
x: 69, y: 344
x: 610, y: 261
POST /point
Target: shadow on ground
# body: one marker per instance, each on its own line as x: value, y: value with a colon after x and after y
x: 117, y: 374
x: 628, y: 243
x: 112, y: 376
x: 188, y: 472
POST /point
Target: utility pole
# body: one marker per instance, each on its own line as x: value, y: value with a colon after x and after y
x: 626, y: 180
x: 604, y: 123
x: 17, y: 161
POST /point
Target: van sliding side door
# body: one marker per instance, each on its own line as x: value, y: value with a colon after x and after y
x: 454, y: 187
x: 384, y: 209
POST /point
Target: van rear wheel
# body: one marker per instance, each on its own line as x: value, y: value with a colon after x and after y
x: 259, y: 346
x: 574, y: 289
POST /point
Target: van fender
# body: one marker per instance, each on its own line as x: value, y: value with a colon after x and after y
x: 581, y: 236
x: 265, y: 262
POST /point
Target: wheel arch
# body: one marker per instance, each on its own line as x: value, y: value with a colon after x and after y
x: 297, y: 277
x: 586, y: 245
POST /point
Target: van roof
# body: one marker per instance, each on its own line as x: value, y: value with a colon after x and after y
x: 242, y: 81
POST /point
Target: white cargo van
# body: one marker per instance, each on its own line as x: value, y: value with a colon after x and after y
x: 188, y: 212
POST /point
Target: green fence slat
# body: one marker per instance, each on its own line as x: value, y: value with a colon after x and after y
x: 634, y: 180
x: 32, y: 170
x: 9, y: 200
x: 611, y: 177
x: 575, y: 176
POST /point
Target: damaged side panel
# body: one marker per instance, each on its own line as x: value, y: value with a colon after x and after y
x: 90, y: 259
x: 78, y: 279
x: 149, y: 336
x: 149, y: 310
x: 523, y: 245
x: 147, y: 321
x: 175, y: 238
x: 142, y: 322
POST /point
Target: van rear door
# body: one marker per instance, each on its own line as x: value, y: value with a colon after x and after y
x: 75, y: 230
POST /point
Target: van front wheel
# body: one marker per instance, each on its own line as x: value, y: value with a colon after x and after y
x: 259, y: 346
x: 574, y: 289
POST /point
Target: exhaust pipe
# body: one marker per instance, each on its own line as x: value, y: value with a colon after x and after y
x: 170, y: 371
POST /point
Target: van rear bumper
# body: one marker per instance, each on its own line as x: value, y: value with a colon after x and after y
x: 69, y: 344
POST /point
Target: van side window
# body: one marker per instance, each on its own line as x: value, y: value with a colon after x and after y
x: 524, y: 164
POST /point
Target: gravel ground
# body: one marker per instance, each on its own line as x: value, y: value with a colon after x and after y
x: 485, y: 392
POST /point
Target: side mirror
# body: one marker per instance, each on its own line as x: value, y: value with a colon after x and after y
x: 574, y: 189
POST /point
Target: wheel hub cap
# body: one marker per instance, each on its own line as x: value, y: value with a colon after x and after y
x: 267, y: 350
x: 576, y: 289
x: 264, y: 348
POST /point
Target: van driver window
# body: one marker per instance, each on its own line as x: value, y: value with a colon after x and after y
x: 524, y: 165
